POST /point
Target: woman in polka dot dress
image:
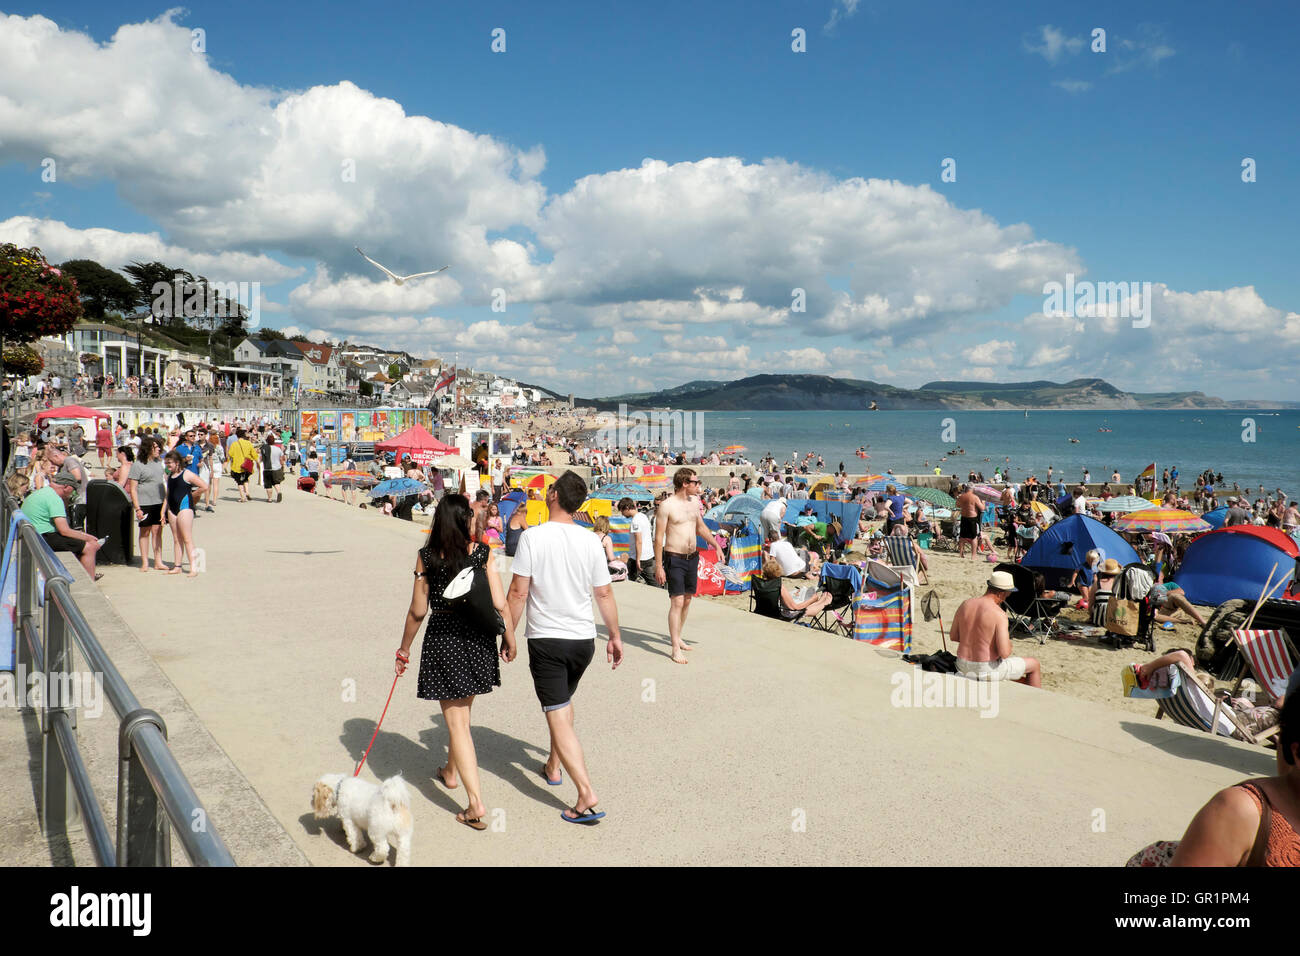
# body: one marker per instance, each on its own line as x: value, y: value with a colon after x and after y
x: 457, y: 661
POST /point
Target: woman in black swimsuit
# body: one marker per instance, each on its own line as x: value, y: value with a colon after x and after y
x: 182, y: 488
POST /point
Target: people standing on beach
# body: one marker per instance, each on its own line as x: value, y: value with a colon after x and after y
x: 678, y: 523
x: 213, y: 458
x: 458, y: 659
x: 183, y: 487
x: 556, y: 570
x: 969, y: 508
x: 147, y: 486
x: 641, y: 564
x: 980, y: 631
x: 272, y: 466
x: 243, y: 459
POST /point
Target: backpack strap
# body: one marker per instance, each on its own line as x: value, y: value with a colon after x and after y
x: 1259, y: 851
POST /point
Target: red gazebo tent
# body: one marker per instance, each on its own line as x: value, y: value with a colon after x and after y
x: 72, y: 411
x: 418, y: 443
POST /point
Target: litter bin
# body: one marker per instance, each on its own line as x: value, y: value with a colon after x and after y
x: 109, y: 515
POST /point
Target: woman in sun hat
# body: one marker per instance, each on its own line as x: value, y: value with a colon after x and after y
x: 1101, y: 591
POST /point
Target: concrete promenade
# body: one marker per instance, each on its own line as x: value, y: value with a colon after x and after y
x: 775, y: 745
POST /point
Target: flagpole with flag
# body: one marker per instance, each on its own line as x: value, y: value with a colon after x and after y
x: 1148, y: 472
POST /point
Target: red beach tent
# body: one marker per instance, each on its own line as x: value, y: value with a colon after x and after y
x: 418, y: 443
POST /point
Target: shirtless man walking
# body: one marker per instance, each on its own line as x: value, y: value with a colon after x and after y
x: 970, y: 507
x: 677, y: 523
x: 983, y: 642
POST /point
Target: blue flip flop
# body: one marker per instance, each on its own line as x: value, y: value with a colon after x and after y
x: 549, y: 781
x: 587, y: 817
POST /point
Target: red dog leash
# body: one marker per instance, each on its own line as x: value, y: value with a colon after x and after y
x: 357, y: 772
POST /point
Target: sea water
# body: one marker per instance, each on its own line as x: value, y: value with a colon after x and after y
x: 1250, y: 447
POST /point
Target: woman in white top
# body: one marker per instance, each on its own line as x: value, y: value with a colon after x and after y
x: 211, y: 469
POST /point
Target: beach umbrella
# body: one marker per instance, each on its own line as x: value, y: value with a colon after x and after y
x: 1041, y: 508
x: 398, y: 488
x: 933, y: 495
x: 351, y: 479
x: 623, y: 489
x: 1126, y: 504
x: 652, y: 482
x: 867, y: 479
x: 880, y: 484
x: 540, y: 481
x: 452, y: 461
x: 987, y: 492
x: 734, y: 449
x: 1168, y: 520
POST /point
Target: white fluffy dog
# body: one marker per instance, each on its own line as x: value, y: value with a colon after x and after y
x: 383, y: 811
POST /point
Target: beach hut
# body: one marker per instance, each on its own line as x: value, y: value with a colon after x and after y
x: 1233, y: 563
x: 1061, y: 549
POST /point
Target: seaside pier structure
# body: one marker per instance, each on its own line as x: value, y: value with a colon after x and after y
x: 775, y: 745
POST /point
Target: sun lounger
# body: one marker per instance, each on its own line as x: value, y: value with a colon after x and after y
x: 1191, y: 706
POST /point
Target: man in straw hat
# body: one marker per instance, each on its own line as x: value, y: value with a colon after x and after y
x: 984, y: 641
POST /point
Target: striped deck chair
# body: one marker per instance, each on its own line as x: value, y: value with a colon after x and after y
x: 1270, y: 657
x: 882, y: 611
x: 902, y: 557
x: 1191, y: 706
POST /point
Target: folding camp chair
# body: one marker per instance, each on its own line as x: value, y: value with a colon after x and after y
x: 765, y: 599
x: 843, y: 581
x: 903, y: 558
x: 1191, y: 706
x: 1025, y: 609
x: 1270, y: 658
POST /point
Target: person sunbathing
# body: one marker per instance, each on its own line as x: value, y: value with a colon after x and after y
x: 1232, y: 829
x: 773, y: 599
x: 980, y: 631
x: 1167, y: 600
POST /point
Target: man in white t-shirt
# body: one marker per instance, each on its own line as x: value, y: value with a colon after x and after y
x: 784, y: 553
x: 556, y: 568
x: 771, y: 517
x: 642, y: 564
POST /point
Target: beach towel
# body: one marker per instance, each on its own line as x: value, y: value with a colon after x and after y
x: 746, y: 561
x: 709, y: 580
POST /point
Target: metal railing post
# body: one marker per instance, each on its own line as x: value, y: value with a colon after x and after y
x: 25, y: 617
x: 59, y: 814
x: 143, y: 831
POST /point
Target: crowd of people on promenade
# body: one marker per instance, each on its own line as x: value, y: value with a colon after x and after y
x: 561, y: 573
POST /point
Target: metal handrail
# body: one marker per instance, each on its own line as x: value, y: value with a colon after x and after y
x: 152, y: 788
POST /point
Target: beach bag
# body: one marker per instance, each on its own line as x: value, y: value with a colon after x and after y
x: 471, y: 595
x: 1122, y: 616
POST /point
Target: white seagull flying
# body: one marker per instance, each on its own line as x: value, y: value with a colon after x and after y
x: 393, y: 275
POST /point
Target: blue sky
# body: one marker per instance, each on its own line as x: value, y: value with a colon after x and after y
x: 825, y: 175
